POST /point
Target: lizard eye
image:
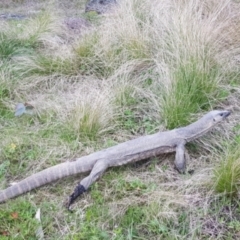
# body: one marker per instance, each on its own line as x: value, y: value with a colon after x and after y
x: 221, y: 114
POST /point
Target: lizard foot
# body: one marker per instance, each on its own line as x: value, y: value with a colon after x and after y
x: 180, y: 170
x: 77, y: 192
x: 191, y: 172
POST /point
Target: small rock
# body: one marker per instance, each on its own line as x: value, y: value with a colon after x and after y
x: 99, y: 6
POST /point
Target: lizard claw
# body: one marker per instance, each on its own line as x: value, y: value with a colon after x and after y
x: 77, y: 192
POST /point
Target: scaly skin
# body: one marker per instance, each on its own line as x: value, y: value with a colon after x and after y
x: 123, y: 153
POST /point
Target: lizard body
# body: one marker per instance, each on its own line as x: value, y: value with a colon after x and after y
x: 123, y: 153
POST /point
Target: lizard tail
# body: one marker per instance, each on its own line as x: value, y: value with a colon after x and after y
x: 41, y: 178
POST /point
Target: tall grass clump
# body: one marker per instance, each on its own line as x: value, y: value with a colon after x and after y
x: 190, y: 73
x: 39, y: 31
x: 25, y: 43
x: 6, y: 85
x: 227, y: 174
x: 181, y: 43
x: 43, y: 64
x: 92, y: 114
x: 10, y: 46
x: 87, y: 58
x: 15, y: 36
x: 193, y: 88
x: 120, y: 38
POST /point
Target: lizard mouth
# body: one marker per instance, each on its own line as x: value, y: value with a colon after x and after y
x: 226, y: 114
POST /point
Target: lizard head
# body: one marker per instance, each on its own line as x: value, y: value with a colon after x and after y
x: 217, y: 116
x: 211, y: 119
x: 203, y: 125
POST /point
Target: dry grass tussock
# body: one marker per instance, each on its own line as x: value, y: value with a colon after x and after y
x: 181, y: 44
x: 92, y: 112
x: 146, y: 66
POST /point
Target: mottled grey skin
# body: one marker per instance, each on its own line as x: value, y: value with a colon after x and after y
x: 99, y: 6
x: 123, y: 153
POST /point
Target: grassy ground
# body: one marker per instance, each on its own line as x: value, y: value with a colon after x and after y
x: 96, y: 81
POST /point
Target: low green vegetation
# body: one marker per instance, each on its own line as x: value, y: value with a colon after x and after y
x: 227, y: 175
x: 104, y: 79
x: 190, y: 90
x: 18, y: 221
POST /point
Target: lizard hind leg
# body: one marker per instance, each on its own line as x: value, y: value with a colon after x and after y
x: 98, y: 169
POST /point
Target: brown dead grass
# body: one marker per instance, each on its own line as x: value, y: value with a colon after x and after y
x: 63, y: 99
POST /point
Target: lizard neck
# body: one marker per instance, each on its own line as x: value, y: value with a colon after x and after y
x: 194, y: 130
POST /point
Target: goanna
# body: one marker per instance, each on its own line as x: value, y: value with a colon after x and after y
x: 131, y: 151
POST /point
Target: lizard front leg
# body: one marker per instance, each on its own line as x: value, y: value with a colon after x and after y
x: 180, y: 161
x: 98, y: 169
